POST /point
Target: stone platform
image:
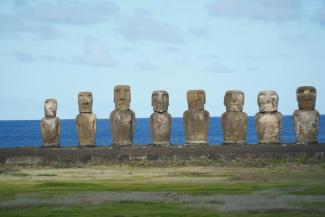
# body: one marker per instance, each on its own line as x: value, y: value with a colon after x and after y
x: 212, y: 154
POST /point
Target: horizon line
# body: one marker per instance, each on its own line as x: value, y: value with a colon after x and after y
x: 108, y: 118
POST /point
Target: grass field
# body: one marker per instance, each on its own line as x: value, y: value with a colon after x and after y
x: 129, y: 191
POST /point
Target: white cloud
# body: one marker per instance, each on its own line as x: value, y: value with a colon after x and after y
x: 145, y: 66
x: 320, y: 15
x: 24, y: 57
x: 294, y: 38
x: 144, y: 27
x: 43, y: 19
x: 53, y: 59
x: 95, y: 53
x: 252, y: 68
x: 264, y: 10
x: 268, y: 56
x: 171, y: 49
x: 209, y: 56
x: 11, y: 24
x: 219, y: 68
x: 69, y: 12
x: 198, y: 32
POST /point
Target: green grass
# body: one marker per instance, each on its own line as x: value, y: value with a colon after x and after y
x: 48, y: 182
x: 111, y: 210
x: 51, y: 187
x: 136, y: 210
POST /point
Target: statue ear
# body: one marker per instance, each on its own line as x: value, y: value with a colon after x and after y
x: 225, y: 99
x: 204, y: 97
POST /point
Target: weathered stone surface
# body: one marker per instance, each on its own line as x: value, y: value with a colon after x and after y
x: 160, y: 120
x: 234, y: 121
x: 268, y: 127
x: 122, y: 97
x: 234, y: 101
x: 254, y: 155
x: 268, y: 101
x: 160, y: 101
x: 86, y: 120
x: 268, y: 120
x: 122, y: 119
x: 50, y: 125
x: 122, y: 123
x: 85, y: 102
x: 306, y: 97
x: 306, y: 126
x: 306, y: 118
x: 196, y: 120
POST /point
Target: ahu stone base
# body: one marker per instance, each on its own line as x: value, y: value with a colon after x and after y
x: 241, y: 155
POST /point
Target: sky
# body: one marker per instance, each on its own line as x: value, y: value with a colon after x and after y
x: 56, y: 49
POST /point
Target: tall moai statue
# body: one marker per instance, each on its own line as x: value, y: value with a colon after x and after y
x: 196, y: 120
x: 50, y: 125
x: 306, y: 118
x: 86, y: 120
x: 234, y: 120
x: 160, y: 120
x: 122, y: 119
x: 268, y: 121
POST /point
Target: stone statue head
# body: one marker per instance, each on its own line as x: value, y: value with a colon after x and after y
x: 160, y: 101
x: 50, y: 106
x: 196, y: 99
x: 306, y: 97
x: 85, y: 102
x: 122, y: 97
x: 234, y: 100
x: 268, y: 101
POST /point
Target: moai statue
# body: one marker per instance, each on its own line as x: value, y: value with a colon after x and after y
x: 86, y: 120
x: 160, y: 120
x: 268, y: 120
x: 196, y: 120
x: 50, y: 125
x: 306, y: 118
x: 234, y: 120
x: 122, y: 119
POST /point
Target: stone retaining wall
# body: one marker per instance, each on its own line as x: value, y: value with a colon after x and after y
x: 218, y: 154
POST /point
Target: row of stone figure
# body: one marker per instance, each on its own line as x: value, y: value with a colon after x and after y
x: 196, y: 119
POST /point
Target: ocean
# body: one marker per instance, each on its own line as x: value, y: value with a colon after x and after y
x: 27, y: 133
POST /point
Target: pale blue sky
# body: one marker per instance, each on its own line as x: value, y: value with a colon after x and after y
x: 59, y: 48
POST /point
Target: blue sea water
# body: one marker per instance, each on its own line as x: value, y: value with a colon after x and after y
x: 27, y: 133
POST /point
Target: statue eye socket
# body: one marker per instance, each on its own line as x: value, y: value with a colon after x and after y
x: 262, y: 97
x: 274, y: 98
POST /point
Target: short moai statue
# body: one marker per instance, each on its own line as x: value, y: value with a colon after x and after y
x: 122, y: 119
x: 50, y: 125
x: 86, y: 120
x: 160, y: 120
x: 196, y: 120
x: 268, y: 121
x: 306, y: 118
x: 234, y: 120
